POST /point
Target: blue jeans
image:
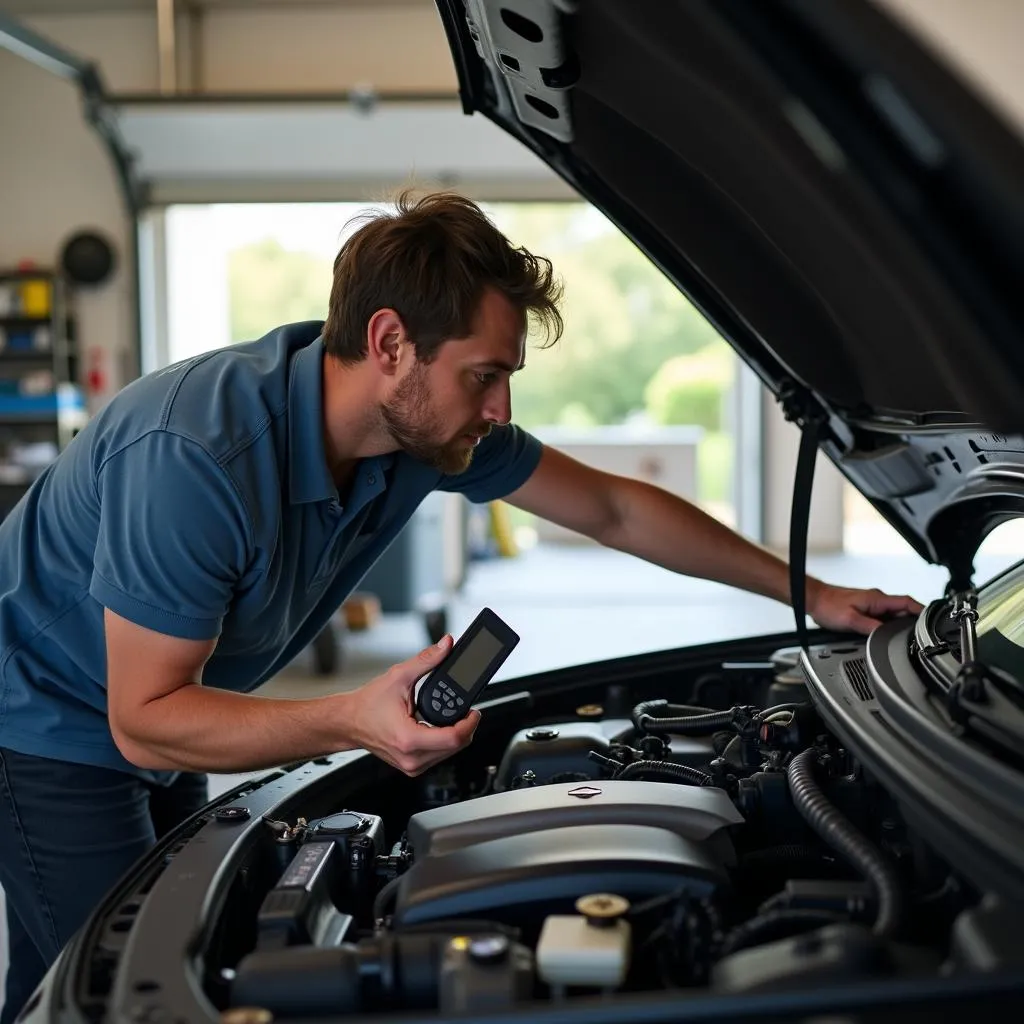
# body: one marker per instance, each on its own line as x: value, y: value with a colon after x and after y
x: 68, y: 833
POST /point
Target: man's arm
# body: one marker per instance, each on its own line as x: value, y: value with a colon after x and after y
x: 162, y: 717
x: 652, y: 524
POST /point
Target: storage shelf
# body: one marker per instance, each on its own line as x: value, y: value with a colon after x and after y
x: 37, y: 274
x: 11, y: 355
x: 36, y: 417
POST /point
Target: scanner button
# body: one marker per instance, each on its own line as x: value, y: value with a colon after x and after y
x: 436, y: 705
x: 450, y: 702
x: 459, y: 701
x: 448, y: 712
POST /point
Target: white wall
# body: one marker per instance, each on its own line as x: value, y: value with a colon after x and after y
x: 322, y: 49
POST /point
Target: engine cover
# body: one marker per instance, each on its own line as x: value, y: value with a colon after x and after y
x: 699, y: 814
x: 522, y: 878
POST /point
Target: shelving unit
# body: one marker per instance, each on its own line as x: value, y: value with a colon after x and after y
x: 41, y: 403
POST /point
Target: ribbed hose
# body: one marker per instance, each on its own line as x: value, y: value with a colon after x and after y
x: 844, y: 837
x: 686, y: 725
x: 692, y: 776
x: 658, y: 709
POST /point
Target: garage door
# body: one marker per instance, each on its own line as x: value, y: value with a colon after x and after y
x: 320, y: 149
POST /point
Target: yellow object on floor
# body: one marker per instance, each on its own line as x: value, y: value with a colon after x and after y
x: 501, y: 529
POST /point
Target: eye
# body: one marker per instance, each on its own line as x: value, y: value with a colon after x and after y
x: 486, y: 378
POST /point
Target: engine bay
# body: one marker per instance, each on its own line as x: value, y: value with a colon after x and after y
x: 609, y: 848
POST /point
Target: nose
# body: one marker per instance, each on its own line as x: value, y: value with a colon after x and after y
x: 498, y: 407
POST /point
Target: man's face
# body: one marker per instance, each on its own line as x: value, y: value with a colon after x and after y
x: 439, y: 411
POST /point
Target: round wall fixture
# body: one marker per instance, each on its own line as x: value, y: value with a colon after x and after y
x: 87, y: 258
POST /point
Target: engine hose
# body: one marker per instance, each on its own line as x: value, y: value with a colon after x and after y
x: 776, y: 924
x: 385, y: 895
x: 687, y: 725
x: 657, y: 709
x: 845, y: 838
x: 676, y: 771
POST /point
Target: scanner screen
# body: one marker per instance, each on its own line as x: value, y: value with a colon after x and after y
x: 473, y: 661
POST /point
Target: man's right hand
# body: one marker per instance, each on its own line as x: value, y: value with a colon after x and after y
x: 163, y: 718
x: 382, y: 717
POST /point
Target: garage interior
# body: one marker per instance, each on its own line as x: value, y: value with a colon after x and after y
x: 286, y: 112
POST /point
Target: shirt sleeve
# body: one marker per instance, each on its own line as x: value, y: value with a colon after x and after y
x: 173, y: 537
x: 502, y: 463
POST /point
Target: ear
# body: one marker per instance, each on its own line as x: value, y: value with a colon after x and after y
x: 387, y: 344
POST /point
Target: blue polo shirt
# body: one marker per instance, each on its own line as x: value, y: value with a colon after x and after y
x: 199, y: 504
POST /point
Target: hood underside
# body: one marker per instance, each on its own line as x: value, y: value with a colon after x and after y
x: 840, y: 206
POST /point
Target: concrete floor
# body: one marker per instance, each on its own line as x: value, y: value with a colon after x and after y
x: 573, y: 605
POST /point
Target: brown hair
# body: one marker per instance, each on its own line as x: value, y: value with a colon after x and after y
x: 431, y: 261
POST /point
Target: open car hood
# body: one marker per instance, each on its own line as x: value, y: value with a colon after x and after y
x: 847, y: 213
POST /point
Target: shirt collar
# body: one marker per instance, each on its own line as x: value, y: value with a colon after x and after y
x: 308, y: 476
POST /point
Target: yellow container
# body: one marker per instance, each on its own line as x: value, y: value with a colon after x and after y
x: 36, y: 297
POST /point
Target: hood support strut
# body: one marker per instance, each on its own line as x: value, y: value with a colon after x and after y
x: 800, y: 407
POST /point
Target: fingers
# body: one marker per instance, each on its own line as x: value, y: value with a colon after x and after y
x: 408, y: 671
x: 419, y: 748
x: 861, y: 623
x: 448, y: 738
x: 406, y: 674
x: 879, y: 603
x: 903, y: 605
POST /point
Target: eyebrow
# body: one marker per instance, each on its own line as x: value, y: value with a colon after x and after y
x: 501, y: 365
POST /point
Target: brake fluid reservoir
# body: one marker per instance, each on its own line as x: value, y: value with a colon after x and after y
x: 588, y: 949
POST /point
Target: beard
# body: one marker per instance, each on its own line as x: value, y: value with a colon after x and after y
x: 416, y: 428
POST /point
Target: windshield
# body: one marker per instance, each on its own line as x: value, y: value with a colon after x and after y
x: 1001, y: 622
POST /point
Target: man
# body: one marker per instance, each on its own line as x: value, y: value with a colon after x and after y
x: 206, y: 524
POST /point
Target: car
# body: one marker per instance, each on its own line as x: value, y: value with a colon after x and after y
x: 803, y: 826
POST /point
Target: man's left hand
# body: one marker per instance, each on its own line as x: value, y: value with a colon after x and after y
x: 857, y: 610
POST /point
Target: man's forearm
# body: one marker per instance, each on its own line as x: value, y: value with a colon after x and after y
x: 202, y: 729
x: 662, y: 528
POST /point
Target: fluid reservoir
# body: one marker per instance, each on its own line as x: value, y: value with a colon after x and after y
x: 591, y: 948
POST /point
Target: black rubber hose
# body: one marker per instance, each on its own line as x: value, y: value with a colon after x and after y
x: 776, y: 924
x: 846, y: 839
x: 692, y: 776
x: 384, y: 897
x: 686, y: 724
x: 662, y: 709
